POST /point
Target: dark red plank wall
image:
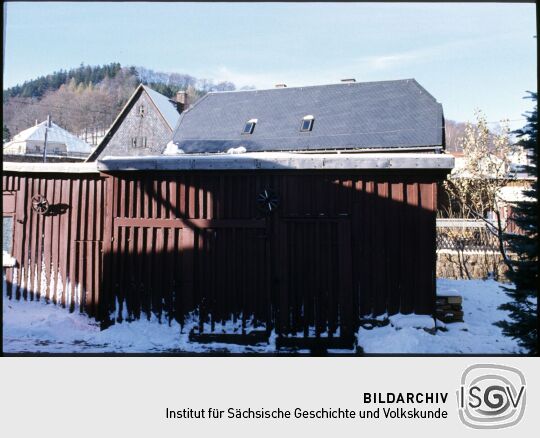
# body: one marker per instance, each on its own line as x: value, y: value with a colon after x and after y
x: 340, y: 245
x: 58, y: 254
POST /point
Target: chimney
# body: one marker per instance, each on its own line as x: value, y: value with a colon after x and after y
x: 348, y: 81
x: 182, y: 100
x: 281, y: 85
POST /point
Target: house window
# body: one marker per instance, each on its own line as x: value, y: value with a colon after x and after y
x: 7, y: 234
x: 139, y: 142
x: 141, y: 111
x: 249, y: 126
x: 307, y: 123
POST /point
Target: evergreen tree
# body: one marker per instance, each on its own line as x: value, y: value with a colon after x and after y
x: 6, y: 136
x: 167, y: 90
x: 85, y: 74
x: 524, y: 305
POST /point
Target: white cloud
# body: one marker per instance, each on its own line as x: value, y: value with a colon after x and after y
x: 363, y: 68
x: 271, y: 78
x: 394, y: 60
x: 367, y: 66
x: 407, y: 57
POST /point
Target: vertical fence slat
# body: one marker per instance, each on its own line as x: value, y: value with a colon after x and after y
x: 74, y: 231
x: 96, y: 295
x: 20, y: 234
x: 131, y: 287
x: 39, y: 251
x: 55, y: 224
x: 63, y: 241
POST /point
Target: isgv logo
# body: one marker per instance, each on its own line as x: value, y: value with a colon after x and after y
x: 491, y: 396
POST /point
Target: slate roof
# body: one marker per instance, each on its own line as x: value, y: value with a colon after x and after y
x: 165, y: 106
x: 371, y: 115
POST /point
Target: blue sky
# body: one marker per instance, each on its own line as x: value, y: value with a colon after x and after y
x: 467, y: 55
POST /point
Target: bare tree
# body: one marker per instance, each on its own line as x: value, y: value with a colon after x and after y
x: 453, y: 131
x: 474, y: 187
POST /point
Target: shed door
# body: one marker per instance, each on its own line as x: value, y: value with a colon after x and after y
x: 230, y: 273
x: 316, y: 288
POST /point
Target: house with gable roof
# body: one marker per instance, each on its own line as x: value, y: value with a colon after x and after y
x: 62, y: 145
x: 144, y: 126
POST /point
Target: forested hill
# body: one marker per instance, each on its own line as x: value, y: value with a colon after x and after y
x: 164, y: 83
x: 84, y: 74
x: 87, y: 99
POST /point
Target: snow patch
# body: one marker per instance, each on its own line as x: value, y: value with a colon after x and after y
x: 8, y: 261
x: 477, y: 335
x: 37, y: 326
x: 172, y: 149
x: 446, y: 290
x: 415, y: 321
x: 238, y: 150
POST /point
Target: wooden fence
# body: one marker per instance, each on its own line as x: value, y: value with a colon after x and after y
x: 338, y: 246
x: 58, y: 253
x: 465, y: 235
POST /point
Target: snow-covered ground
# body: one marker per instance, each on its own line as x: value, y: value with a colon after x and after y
x: 477, y: 335
x: 32, y: 326
x: 40, y: 327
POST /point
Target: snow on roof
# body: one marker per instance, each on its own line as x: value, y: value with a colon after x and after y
x: 15, y: 166
x: 165, y: 106
x: 277, y: 160
x: 55, y: 134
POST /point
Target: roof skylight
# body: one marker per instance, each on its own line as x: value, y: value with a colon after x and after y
x: 307, y: 123
x: 249, y: 126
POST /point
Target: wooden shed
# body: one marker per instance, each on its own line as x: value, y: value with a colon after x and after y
x: 301, y: 241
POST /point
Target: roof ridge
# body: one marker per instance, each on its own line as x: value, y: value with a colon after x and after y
x: 316, y: 86
x: 415, y: 82
x: 108, y: 134
x: 183, y: 113
x: 158, y: 104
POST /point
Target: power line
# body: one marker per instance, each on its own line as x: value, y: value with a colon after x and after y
x: 495, y: 122
x: 510, y: 120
